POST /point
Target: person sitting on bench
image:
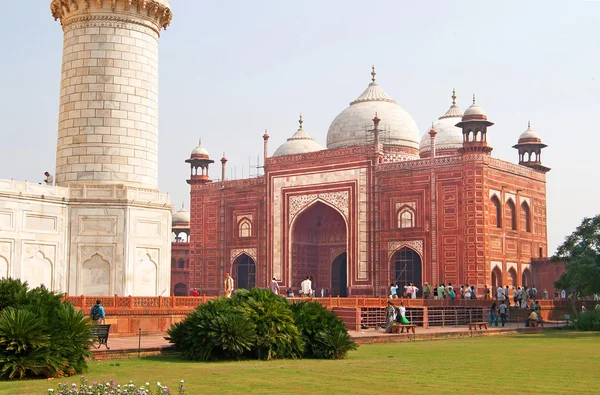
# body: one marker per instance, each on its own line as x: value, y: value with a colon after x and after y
x: 532, y: 317
x: 401, y: 317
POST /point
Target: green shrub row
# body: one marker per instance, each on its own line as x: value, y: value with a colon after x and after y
x: 40, y: 335
x: 258, y: 324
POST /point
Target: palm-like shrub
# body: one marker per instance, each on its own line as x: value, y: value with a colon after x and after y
x: 40, y: 335
x: 276, y: 333
x: 259, y: 324
x: 216, y: 330
x: 324, y: 333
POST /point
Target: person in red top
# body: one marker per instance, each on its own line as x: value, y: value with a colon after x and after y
x: 195, y: 292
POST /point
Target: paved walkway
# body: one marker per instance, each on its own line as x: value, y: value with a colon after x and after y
x: 157, y: 341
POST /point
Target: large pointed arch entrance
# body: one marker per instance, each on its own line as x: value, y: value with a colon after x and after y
x: 406, y: 267
x: 318, y: 235
x: 243, y: 272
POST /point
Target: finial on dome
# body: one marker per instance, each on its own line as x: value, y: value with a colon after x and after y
x: 453, y: 97
x: 300, y: 121
x: 373, y: 73
x: 528, y: 124
x: 473, y: 98
x: 200, y: 141
x: 376, y: 120
x: 182, y: 205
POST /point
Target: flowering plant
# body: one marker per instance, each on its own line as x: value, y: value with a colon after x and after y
x: 113, y: 388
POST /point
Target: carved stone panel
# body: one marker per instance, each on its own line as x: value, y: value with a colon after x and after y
x: 416, y: 245
x: 251, y: 252
x: 338, y: 200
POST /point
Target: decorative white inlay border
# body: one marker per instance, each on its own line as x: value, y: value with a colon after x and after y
x: 251, y: 252
x: 338, y: 200
x: 416, y: 245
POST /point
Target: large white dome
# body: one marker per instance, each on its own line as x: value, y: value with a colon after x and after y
x: 449, y: 136
x: 299, y: 143
x: 352, y: 126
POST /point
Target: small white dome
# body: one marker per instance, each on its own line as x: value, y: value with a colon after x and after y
x: 299, y: 143
x: 474, y: 110
x: 448, y: 136
x: 351, y: 126
x: 529, y: 134
x: 199, y: 152
x: 181, y: 217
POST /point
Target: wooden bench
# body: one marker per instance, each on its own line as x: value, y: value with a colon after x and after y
x: 100, y: 333
x: 478, y: 325
x: 403, y: 328
x: 534, y: 324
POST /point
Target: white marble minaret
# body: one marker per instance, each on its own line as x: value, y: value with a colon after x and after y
x: 119, y: 238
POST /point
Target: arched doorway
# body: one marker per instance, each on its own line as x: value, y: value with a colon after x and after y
x: 317, y: 234
x: 512, y: 277
x: 406, y: 268
x: 339, y: 276
x: 496, y: 279
x: 244, y: 272
x: 180, y: 289
x: 526, y: 278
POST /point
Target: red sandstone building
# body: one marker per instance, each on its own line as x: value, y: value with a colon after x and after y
x: 378, y: 205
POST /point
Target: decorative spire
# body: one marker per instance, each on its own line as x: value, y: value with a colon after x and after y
x: 200, y: 141
x: 376, y: 121
x: 453, y: 97
x: 373, y: 73
x: 473, y: 98
x: 528, y: 124
x: 300, y: 121
x: 182, y: 205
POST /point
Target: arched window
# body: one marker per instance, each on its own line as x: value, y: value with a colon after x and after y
x: 525, y: 217
x: 245, y: 228
x: 181, y: 263
x: 510, y: 215
x: 406, y: 218
x: 496, y: 212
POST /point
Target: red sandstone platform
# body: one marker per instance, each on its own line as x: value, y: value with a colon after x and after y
x: 154, y: 344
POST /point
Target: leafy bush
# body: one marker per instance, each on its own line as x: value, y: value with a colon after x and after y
x: 324, y: 333
x: 259, y: 324
x: 589, y: 321
x: 40, y: 335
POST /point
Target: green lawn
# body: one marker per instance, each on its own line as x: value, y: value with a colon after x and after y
x: 552, y: 362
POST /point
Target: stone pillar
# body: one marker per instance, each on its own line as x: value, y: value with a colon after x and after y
x: 108, y: 120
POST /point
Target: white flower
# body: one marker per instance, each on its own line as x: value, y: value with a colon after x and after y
x: 181, y: 381
x: 158, y: 383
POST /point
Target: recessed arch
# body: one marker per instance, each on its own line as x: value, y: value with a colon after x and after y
x: 318, y: 230
x: 495, y: 211
x: 526, y: 278
x: 406, y: 266
x: 3, y: 267
x: 510, y: 214
x: 512, y: 277
x: 180, y: 289
x: 38, y: 270
x: 145, y: 277
x: 405, y: 217
x: 496, y: 279
x: 525, y: 217
x: 245, y: 227
x: 95, y: 276
x: 243, y: 271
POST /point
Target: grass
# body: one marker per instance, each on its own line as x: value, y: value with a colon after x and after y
x: 550, y: 362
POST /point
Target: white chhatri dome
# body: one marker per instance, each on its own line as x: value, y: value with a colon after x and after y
x: 448, y: 136
x: 181, y: 217
x: 529, y: 134
x: 199, y: 151
x: 299, y: 143
x: 351, y: 125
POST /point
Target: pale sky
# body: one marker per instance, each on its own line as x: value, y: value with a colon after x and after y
x: 231, y: 69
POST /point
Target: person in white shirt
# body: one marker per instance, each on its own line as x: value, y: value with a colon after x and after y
x: 306, y: 287
x: 393, y: 290
x: 500, y: 293
x: 49, y: 180
x: 414, y: 291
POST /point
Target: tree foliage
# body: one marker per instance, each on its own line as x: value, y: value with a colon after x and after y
x: 581, y: 254
x: 40, y: 335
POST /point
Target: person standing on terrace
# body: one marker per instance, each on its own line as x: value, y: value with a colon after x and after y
x: 228, y: 285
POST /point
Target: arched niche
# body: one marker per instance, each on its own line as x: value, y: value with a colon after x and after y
x: 144, y: 278
x: 95, y: 276
x: 37, y: 270
x: 3, y: 267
